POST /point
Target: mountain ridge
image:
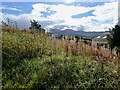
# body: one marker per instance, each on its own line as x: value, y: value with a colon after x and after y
x: 71, y: 32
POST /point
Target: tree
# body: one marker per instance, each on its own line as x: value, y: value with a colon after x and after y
x: 77, y: 38
x: 36, y: 26
x: 114, y: 37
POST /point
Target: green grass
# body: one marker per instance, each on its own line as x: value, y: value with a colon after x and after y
x: 28, y: 63
x: 59, y: 72
x: 19, y: 45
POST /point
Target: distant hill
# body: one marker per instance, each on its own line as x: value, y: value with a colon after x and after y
x: 70, y: 32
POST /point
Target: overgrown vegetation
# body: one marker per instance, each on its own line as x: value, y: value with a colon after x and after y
x: 59, y: 72
x: 33, y: 60
x: 23, y: 45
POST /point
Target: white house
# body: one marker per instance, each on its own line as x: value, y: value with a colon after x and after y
x: 102, y: 39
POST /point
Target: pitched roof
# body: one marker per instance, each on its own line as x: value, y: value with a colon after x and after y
x: 102, y: 37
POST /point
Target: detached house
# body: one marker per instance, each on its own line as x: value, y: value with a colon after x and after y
x: 100, y: 40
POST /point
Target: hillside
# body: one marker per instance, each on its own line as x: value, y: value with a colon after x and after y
x: 70, y: 32
x: 32, y: 60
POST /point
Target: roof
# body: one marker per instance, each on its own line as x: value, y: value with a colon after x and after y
x: 102, y: 37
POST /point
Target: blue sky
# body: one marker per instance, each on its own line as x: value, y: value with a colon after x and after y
x: 87, y: 16
x: 24, y: 7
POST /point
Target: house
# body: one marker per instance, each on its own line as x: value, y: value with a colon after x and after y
x: 100, y: 40
x: 50, y: 34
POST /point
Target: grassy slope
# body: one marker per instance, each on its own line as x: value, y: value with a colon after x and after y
x: 20, y: 70
x: 58, y: 72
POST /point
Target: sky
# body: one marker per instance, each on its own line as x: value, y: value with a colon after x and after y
x: 79, y: 16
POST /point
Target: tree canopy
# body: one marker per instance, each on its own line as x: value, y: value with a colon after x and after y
x: 36, y: 26
x: 114, y: 37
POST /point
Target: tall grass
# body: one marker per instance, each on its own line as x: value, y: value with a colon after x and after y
x: 34, y: 43
x: 33, y: 60
x: 23, y: 45
x: 70, y: 47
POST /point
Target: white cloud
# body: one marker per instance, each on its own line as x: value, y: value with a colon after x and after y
x: 69, y: 1
x: 10, y: 8
x: 1, y: 17
x: 14, y: 9
x: 106, y: 12
x: 64, y: 13
x: 22, y: 20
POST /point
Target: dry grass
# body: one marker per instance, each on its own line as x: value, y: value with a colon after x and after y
x: 70, y: 47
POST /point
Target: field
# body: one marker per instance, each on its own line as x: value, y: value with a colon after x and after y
x: 34, y: 60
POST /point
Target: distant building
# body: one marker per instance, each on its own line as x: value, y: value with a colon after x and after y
x: 49, y: 34
x: 100, y: 40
